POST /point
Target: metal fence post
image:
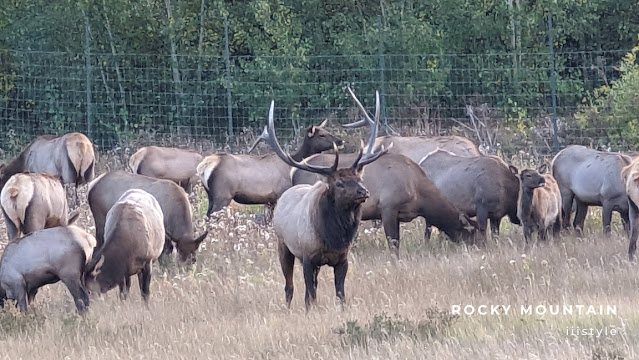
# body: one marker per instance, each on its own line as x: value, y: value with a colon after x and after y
x: 87, y: 57
x: 553, y: 83
x: 229, y: 101
x: 382, y: 68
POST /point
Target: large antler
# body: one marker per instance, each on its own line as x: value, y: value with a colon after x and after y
x: 367, y: 120
x: 263, y: 136
x: 286, y: 157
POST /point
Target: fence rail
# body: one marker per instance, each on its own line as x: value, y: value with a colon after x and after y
x: 220, y: 97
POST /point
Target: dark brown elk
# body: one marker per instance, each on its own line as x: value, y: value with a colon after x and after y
x: 399, y: 192
x: 416, y: 147
x: 483, y: 186
x: 317, y: 223
x: 630, y: 177
x: 133, y: 240
x: 31, y: 202
x: 539, y: 203
x: 256, y: 179
x: 107, y: 189
x: 46, y: 257
x: 69, y: 157
x: 177, y: 165
x: 591, y: 178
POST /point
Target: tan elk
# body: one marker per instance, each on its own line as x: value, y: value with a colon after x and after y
x: 317, y: 223
x: 133, y: 240
x: 539, y: 203
x: 46, y: 257
x: 256, y: 179
x: 177, y: 165
x: 107, y: 189
x: 32, y: 202
x: 630, y: 177
x: 69, y: 157
x: 399, y: 191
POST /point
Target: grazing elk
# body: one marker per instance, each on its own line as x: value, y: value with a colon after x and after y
x: 483, y: 186
x: 399, y: 192
x: 256, y: 179
x: 591, y: 177
x: 107, y: 189
x: 133, y: 240
x: 630, y: 176
x: 416, y: 147
x: 31, y: 202
x: 69, y: 157
x: 46, y: 257
x: 317, y: 223
x: 539, y: 203
x: 177, y: 165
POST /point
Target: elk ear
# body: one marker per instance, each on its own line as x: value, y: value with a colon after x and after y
x: 2, y: 166
x: 513, y: 170
x: 95, y: 267
x: 201, y: 238
x: 542, y: 169
x: 311, y: 131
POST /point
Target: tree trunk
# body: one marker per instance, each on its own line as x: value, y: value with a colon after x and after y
x: 174, y: 61
x: 115, y: 58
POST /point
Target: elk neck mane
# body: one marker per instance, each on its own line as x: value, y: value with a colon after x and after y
x: 335, y: 226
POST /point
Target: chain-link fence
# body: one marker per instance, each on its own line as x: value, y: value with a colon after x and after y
x: 501, y: 100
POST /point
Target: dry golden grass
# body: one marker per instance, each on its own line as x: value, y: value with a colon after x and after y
x: 231, y: 304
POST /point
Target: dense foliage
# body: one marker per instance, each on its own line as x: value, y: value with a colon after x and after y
x: 162, y: 65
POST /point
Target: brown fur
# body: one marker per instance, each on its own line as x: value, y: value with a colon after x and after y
x: 539, y: 203
x: 32, y: 202
x: 105, y: 191
x: 630, y: 176
x: 177, y: 165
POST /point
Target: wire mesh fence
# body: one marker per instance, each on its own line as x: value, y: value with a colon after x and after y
x: 500, y: 100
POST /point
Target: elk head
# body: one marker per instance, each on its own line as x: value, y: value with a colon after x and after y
x: 531, y: 179
x: 316, y: 140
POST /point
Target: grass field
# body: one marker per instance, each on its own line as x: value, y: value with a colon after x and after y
x: 230, y: 305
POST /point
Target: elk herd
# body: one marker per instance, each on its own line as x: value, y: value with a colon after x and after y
x: 318, y: 201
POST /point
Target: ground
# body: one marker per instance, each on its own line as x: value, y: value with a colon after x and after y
x: 230, y: 305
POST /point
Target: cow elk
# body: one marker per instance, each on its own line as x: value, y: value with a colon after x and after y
x: 399, y: 192
x: 256, y: 179
x: 590, y: 177
x: 177, y: 165
x: 539, y: 203
x: 31, y: 202
x: 483, y: 186
x: 69, y: 157
x: 317, y: 223
x: 630, y: 177
x: 133, y: 240
x: 106, y: 190
x: 46, y: 257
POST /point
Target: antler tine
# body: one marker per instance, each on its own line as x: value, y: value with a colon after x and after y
x: 370, y: 158
x: 287, y: 158
x: 371, y: 140
x: 263, y: 137
x: 367, y: 119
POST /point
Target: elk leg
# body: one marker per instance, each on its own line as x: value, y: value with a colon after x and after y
x: 567, y: 197
x: 607, y: 217
x: 528, y: 230
x: 391, y: 229
x: 580, y: 217
x: 482, y: 221
x: 494, y: 226
x: 634, y: 229
x: 80, y: 295
x: 556, y: 226
x: 21, y: 299
x: 125, y: 286
x: 3, y: 297
x: 340, y: 271
x: 625, y: 219
x: 542, y: 233
x: 218, y: 202
x: 144, y: 280
x: 310, y: 272
x: 287, y: 262
x: 167, y: 250
x: 12, y: 230
x: 31, y: 295
x: 428, y: 231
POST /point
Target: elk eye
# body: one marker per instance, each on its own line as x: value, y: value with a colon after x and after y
x: 339, y: 184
